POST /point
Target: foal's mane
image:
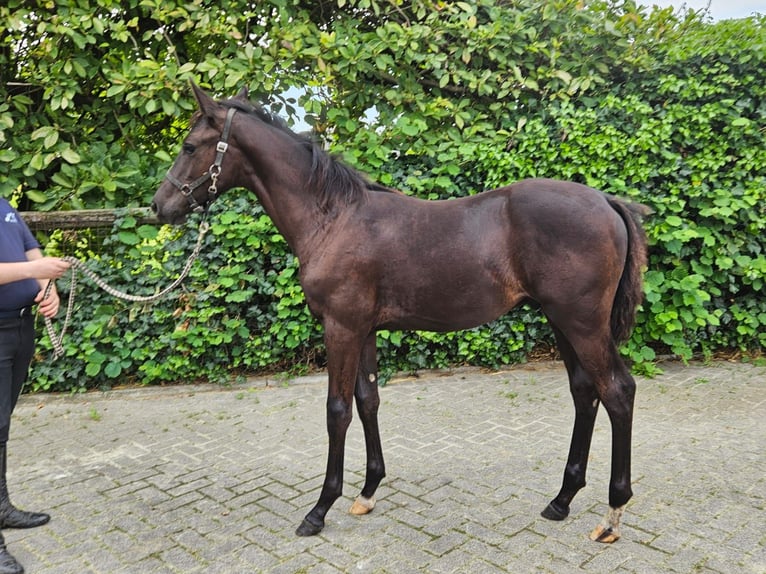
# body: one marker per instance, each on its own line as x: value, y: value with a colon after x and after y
x: 333, y: 181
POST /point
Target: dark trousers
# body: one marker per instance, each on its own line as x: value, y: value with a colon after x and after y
x: 17, y: 345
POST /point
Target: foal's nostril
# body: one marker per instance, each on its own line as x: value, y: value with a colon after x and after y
x: 154, y: 207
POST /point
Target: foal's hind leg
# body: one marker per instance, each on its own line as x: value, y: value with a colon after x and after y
x: 367, y: 403
x: 586, y: 407
x: 601, y: 375
x: 617, y: 396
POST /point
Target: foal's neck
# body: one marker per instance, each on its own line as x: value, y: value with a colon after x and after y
x: 277, y: 168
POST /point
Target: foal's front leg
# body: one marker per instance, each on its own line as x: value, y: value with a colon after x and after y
x: 367, y: 404
x: 343, y: 354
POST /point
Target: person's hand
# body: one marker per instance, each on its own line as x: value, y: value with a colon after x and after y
x: 49, y: 267
x: 48, y: 306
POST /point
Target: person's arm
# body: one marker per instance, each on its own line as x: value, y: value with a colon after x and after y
x: 51, y: 268
x: 36, y: 267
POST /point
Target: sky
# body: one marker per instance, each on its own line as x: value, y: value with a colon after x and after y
x: 719, y: 9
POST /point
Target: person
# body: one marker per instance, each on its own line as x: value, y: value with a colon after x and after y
x: 24, y: 275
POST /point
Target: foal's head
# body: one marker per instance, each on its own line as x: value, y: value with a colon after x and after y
x: 200, y: 172
x: 209, y: 163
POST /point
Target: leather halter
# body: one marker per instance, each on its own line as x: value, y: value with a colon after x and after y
x: 187, y: 189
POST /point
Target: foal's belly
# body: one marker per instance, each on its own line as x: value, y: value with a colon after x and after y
x: 447, y: 305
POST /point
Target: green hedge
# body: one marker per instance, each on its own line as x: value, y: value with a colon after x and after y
x: 239, y: 310
x: 669, y: 110
x: 689, y: 140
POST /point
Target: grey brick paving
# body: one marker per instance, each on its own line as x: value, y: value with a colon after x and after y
x: 215, y: 480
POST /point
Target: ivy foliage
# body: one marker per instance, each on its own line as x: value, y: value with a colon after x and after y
x: 240, y: 310
x: 688, y: 140
x: 439, y: 99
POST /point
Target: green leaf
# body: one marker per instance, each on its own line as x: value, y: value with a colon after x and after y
x: 674, y: 220
x: 70, y: 156
x: 168, y: 107
x: 147, y: 231
x: 50, y: 139
x: 36, y: 196
x: 238, y: 296
x: 43, y: 133
x: 92, y: 369
x: 128, y: 237
x: 113, y: 370
x: 115, y: 89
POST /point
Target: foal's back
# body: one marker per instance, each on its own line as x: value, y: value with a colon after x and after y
x: 459, y: 263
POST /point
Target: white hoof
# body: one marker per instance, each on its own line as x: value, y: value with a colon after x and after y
x: 362, y: 505
x: 608, y: 530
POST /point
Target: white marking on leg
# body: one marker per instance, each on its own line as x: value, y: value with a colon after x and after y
x: 609, y: 528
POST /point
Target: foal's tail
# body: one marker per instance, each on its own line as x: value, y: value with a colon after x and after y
x: 630, y: 291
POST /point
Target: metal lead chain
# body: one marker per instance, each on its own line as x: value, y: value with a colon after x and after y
x: 57, y: 339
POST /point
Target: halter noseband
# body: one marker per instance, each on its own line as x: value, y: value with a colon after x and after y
x: 187, y: 189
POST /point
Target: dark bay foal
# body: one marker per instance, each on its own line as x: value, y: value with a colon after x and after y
x: 372, y: 259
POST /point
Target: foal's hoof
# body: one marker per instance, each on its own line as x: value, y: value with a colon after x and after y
x: 555, y: 512
x: 308, y: 528
x: 607, y: 535
x: 608, y: 530
x: 362, y: 505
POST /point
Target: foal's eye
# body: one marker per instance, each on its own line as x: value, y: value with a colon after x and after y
x: 188, y: 148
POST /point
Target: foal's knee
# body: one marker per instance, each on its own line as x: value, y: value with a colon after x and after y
x: 338, y: 411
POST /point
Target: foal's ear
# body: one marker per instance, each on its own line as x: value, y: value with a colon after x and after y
x: 243, y: 94
x: 207, y: 105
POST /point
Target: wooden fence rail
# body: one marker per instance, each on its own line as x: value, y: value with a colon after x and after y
x: 85, y: 218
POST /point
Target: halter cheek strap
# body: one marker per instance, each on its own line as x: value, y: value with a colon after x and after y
x: 187, y: 189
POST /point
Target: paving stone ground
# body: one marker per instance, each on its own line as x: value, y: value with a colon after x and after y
x: 216, y: 479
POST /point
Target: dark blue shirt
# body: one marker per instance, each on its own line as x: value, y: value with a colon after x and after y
x: 15, y: 241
